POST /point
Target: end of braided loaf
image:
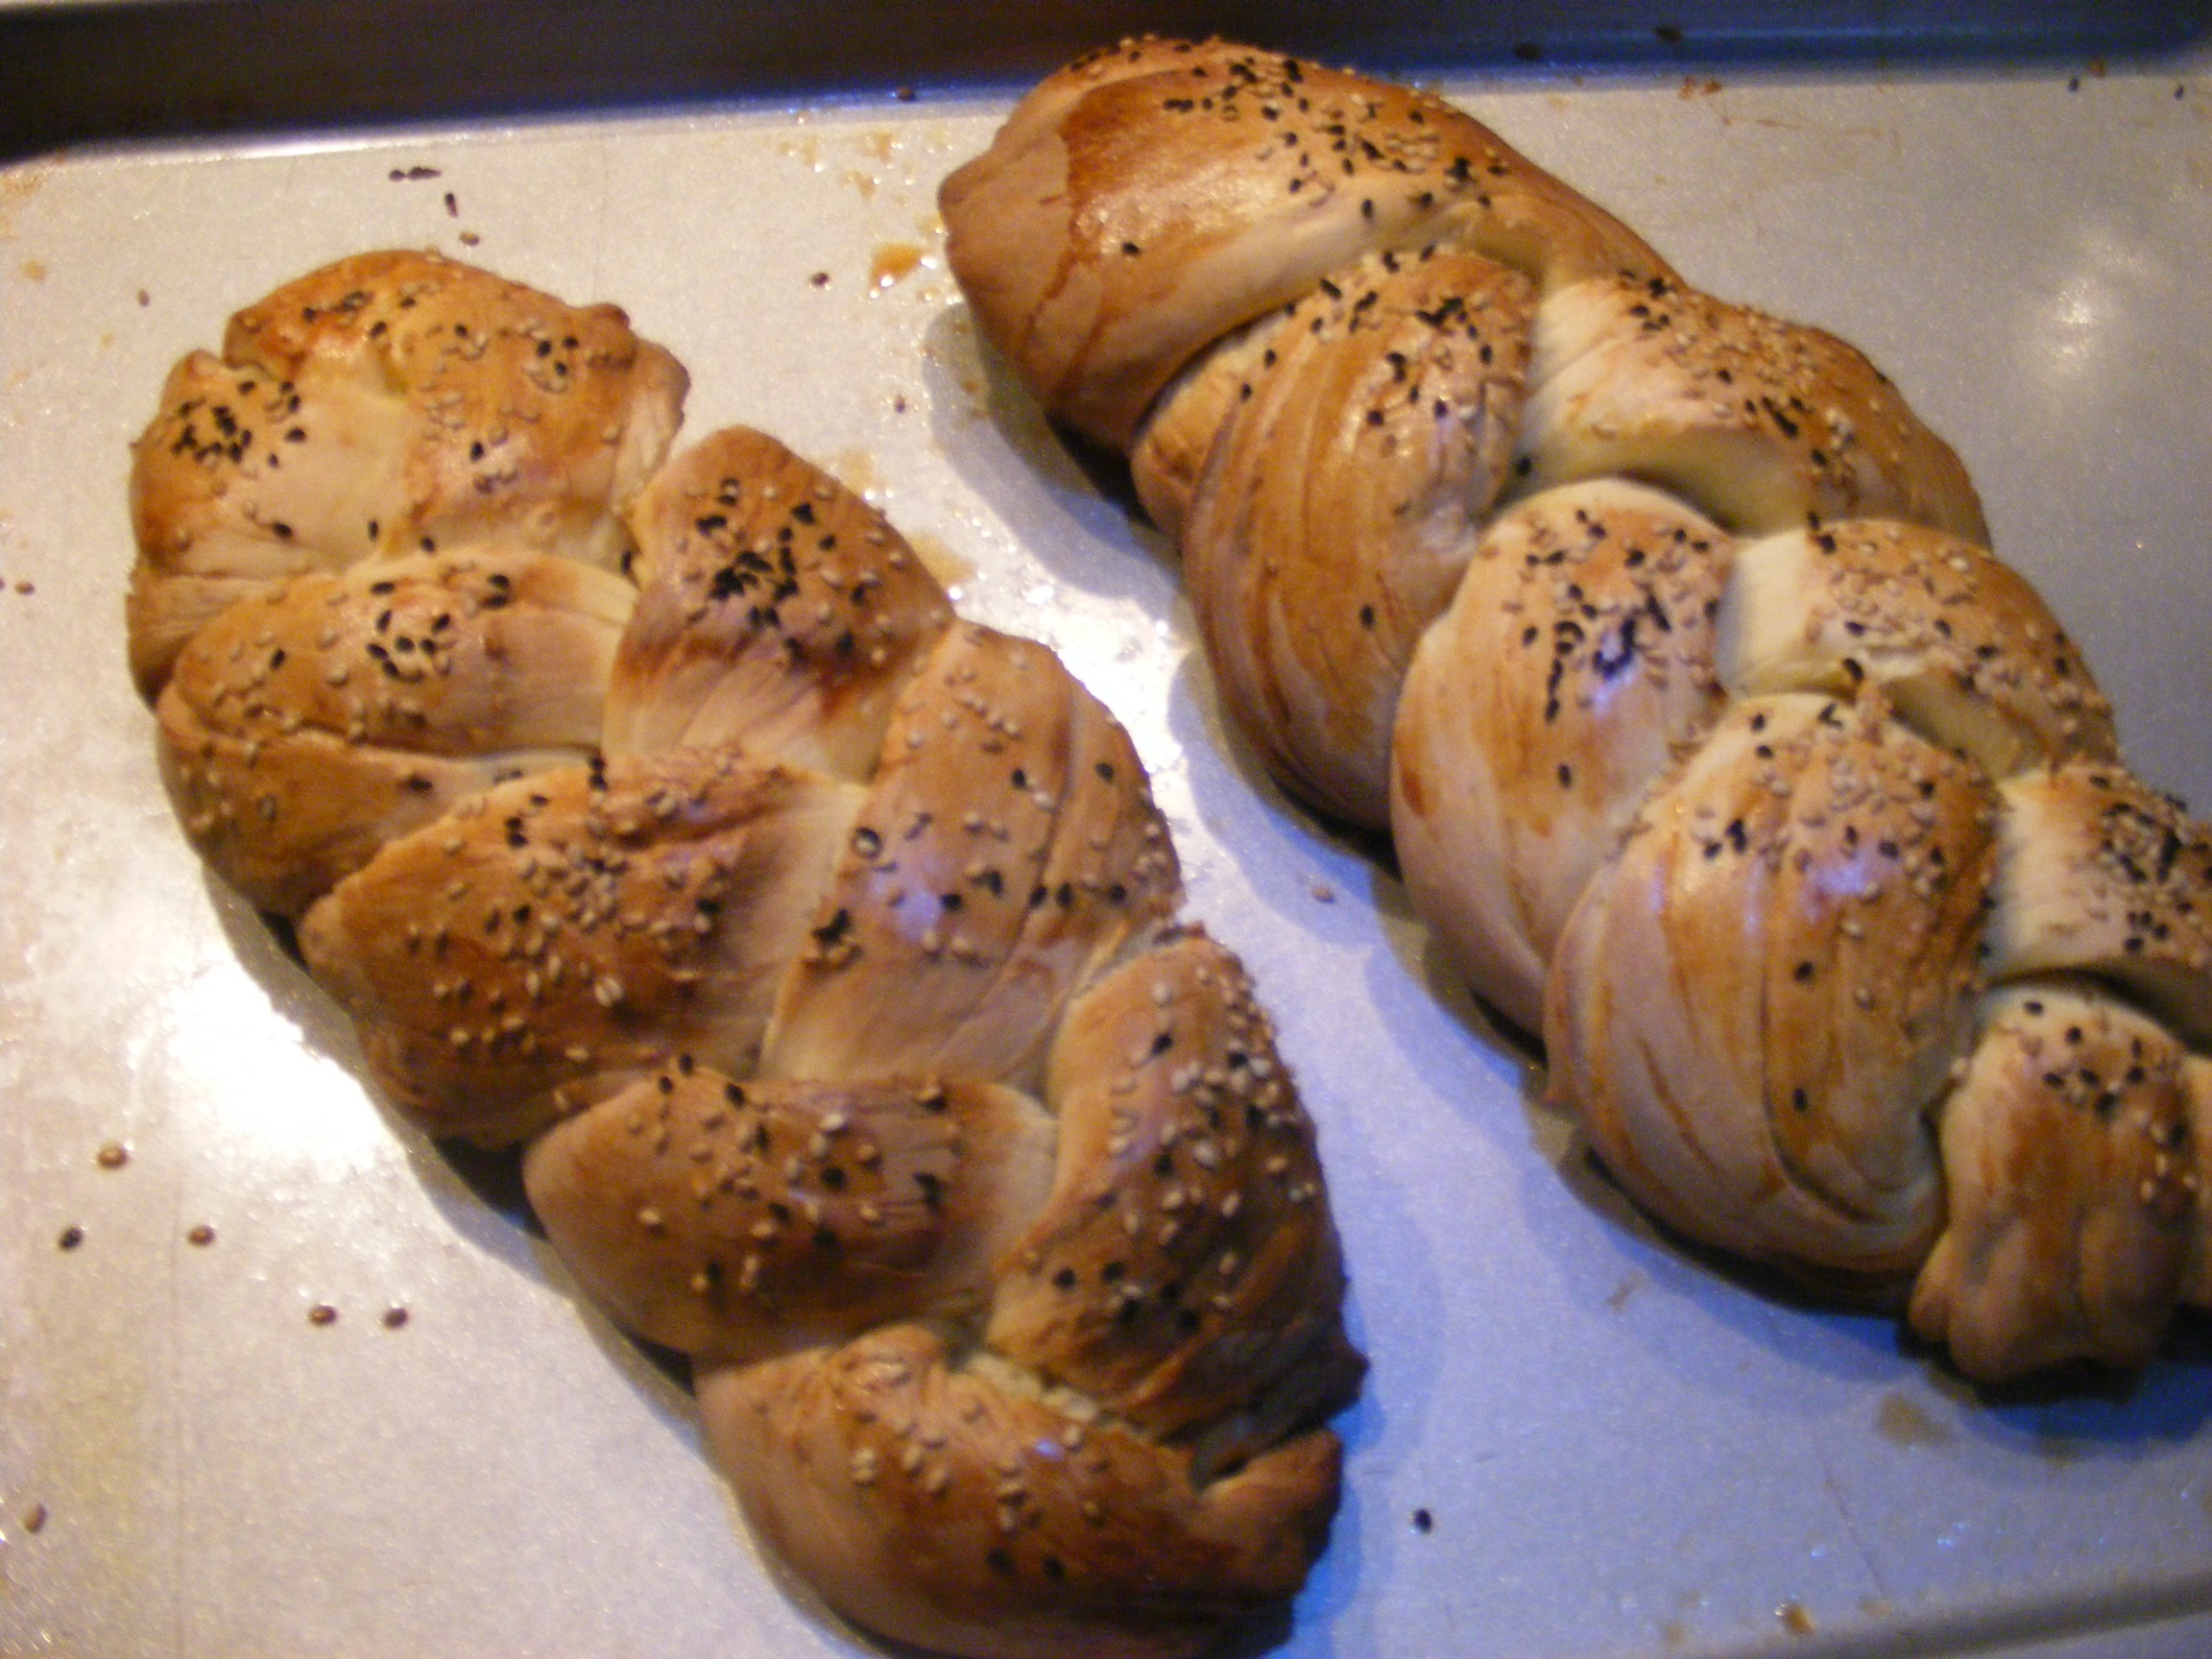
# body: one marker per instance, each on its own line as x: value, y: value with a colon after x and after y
x: 1149, y: 199
x: 821, y: 950
x: 1662, y: 636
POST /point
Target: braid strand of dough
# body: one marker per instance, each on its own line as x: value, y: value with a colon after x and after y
x: 820, y: 950
x: 1662, y: 638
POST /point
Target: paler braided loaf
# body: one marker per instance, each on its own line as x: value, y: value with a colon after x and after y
x: 822, y: 950
x: 1662, y: 637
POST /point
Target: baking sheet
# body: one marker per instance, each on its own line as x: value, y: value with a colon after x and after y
x: 1619, y: 1450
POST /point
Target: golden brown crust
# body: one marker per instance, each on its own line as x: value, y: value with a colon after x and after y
x: 778, y: 609
x: 388, y: 404
x: 2098, y: 875
x: 555, y: 939
x: 1341, y: 501
x: 1129, y: 216
x: 1184, y: 1264
x: 2069, y: 1172
x: 1189, y: 416
x: 1008, y: 848
x: 1758, y: 423
x: 1177, y: 246
x: 534, y: 420
x: 1963, y: 649
x: 2197, y: 1090
x: 224, y: 505
x: 1575, y: 663
x: 927, y: 1499
x: 778, y: 1012
x: 307, y: 725
x: 1755, y: 1005
x: 735, y: 1221
x: 758, y: 898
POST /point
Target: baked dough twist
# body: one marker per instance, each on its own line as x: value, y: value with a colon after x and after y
x: 822, y: 949
x: 1661, y: 635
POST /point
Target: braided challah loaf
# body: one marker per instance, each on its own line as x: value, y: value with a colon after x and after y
x: 822, y: 949
x: 1660, y: 635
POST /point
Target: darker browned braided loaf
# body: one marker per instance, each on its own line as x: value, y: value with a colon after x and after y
x: 822, y: 949
x: 1662, y: 637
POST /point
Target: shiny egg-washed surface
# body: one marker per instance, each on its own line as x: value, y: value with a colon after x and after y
x: 652, y: 816
x: 1617, y: 1454
x: 1662, y: 637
